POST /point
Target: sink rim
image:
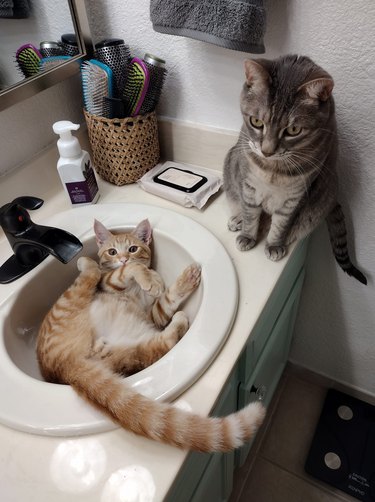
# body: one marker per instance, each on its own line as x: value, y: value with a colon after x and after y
x: 57, y: 409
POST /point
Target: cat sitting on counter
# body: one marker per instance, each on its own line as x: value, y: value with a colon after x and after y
x: 284, y: 162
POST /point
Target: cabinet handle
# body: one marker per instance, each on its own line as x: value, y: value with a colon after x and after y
x: 259, y: 391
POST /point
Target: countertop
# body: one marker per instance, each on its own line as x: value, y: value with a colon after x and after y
x: 118, y: 465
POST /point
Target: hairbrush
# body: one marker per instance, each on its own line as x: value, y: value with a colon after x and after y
x: 114, y: 108
x: 49, y: 49
x: 52, y: 61
x: 69, y: 44
x: 157, y: 72
x: 137, y: 82
x: 96, y: 85
x: 28, y: 59
x: 114, y: 53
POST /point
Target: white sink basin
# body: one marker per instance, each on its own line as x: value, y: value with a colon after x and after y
x: 32, y: 405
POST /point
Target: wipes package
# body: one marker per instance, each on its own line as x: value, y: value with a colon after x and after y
x: 189, y: 186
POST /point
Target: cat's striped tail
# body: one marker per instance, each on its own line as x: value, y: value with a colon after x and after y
x: 161, y: 421
x: 337, y: 234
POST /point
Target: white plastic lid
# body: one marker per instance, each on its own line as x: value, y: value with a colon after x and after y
x: 68, y: 144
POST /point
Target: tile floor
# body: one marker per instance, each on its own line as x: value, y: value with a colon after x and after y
x: 274, y: 470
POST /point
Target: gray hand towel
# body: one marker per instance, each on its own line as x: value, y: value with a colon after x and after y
x: 17, y: 9
x: 234, y: 24
x: 21, y: 9
x: 6, y: 8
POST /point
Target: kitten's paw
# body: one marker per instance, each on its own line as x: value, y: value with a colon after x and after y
x: 84, y: 263
x: 189, y: 280
x: 245, y: 243
x: 101, y: 348
x: 275, y: 253
x: 153, y: 284
x: 177, y: 328
x: 235, y: 223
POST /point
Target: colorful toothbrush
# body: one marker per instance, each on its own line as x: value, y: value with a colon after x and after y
x: 97, y: 82
x: 28, y: 59
x: 136, y: 86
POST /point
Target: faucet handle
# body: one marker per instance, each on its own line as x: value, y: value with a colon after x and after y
x: 27, y: 202
x: 14, y: 217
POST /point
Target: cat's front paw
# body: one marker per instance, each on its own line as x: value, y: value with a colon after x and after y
x: 275, y: 253
x: 84, y: 263
x: 153, y: 284
x: 235, y: 223
x: 245, y: 243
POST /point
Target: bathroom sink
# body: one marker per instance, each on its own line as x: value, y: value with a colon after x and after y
x: 33, y: 405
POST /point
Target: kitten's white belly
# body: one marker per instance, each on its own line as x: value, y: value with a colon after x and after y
x: 119, y: 325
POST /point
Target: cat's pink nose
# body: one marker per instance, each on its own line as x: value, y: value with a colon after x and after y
x: 123, y: 260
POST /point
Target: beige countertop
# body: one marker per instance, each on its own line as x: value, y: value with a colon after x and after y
x: 117, y: 465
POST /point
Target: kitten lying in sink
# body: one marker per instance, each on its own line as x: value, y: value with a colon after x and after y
x: 117, y: 319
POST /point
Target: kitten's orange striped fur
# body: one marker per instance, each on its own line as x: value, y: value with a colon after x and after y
x: 118, y: 319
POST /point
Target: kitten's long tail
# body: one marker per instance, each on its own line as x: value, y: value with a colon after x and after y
x: 162, y: 421
x: 337, y: 234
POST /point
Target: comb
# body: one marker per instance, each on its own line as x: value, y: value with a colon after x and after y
x: 136, y: 86
x: 28, y: 59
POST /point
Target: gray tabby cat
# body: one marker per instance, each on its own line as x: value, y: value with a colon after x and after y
x: 284, y: 161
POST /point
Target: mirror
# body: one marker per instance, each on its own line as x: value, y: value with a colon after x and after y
x: 46, y: 21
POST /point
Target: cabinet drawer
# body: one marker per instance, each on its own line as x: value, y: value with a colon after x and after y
x: 268, y: 318
x: 263, y: 381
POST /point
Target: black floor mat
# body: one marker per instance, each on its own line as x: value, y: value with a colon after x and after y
x: 342, y: 452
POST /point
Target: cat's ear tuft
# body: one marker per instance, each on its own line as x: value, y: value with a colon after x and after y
x: 256, y: 73
x: 318, y: 88
x: 143, y: 232
x: 102, y: 233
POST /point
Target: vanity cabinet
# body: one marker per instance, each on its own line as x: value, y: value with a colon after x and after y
x: 203, y: 476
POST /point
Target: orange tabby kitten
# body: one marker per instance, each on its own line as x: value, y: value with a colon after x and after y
x: 117, y: 319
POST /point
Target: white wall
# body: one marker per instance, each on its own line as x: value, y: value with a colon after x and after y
x: 335, y: 331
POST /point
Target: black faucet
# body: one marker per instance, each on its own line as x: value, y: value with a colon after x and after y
x: 30, y: 242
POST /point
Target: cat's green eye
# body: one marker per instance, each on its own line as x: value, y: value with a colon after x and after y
x: 112, y: 251
x: 255, y: 122
x: 293, y: 130
x: 133, y: 249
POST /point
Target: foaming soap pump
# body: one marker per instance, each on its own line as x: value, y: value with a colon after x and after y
x: 74, y: 166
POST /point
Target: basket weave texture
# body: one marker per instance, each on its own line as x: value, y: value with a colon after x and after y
x: 123, y: 150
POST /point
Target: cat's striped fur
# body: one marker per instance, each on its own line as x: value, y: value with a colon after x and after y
x: 284, y: 163
x: 118, y: 319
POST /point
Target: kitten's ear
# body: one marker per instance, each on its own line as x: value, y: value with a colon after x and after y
x: 102, y: 233
x: 143, y: 232
x: 257, y: 75
x: 318, y: 88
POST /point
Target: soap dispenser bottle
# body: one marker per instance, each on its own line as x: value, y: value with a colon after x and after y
x: 74, y: 166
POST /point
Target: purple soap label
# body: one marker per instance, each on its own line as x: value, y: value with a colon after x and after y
x: 82, y: 192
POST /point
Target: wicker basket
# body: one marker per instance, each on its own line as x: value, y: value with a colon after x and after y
x: 123, y: 150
